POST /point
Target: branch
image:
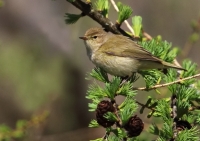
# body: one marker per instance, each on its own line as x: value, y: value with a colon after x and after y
x: 144, y: 105
x: 87, y: 9
x: 166, y: 84
x: 145, y: 34
x: 126, y: 22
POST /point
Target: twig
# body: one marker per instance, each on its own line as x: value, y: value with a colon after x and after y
x: 126, y: 22
x: 146, y: 35
x: 176, y: 63
x: 173, y: 106
x: 166, y: 84
x: 194, y: 108
x: 87, y: 9
x: 119, y: 122
x: 143, y: 105
x: 174, y: 114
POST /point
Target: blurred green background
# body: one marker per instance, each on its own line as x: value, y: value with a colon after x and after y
x: 43, y: 64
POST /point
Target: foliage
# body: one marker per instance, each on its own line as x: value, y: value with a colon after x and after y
x: 20, y: 131
x: 72, y: 18
x: 178, y: 110
x: 103, y: 7
x: 137, y: 25
x: 124, y: 12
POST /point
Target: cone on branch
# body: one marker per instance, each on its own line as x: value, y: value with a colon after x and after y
x: 182, y: 125
x: 102, y: 108
x: 134, y: 126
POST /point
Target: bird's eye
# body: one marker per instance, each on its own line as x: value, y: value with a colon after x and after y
x: 94, y: 37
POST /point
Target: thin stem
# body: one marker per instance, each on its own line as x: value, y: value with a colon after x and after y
x: 173, y: 106
x: 87, y: 9
x: 119, y: 122
x: 146, y: 35
x: 166, y: 84
x: 176, y: 63
x: 143, y: 105
x: 126, y: 22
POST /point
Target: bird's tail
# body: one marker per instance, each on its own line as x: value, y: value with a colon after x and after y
x: 169, y: 65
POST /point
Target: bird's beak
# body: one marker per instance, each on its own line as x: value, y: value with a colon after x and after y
x: 83, y: 38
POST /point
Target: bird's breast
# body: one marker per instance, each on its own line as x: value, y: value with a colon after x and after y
x: 115, y: 65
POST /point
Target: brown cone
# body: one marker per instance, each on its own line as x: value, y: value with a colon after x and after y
x: 134, y: 126
x: 182, y: 125
x: 102, y: 108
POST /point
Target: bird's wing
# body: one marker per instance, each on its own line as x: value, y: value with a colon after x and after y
x: 124, y: 47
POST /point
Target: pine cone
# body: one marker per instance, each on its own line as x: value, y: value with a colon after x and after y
x: 181, y: 125
x: 134, y: 126
x: 102, y: 108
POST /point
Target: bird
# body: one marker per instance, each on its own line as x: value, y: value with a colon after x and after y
x: 118, y: 55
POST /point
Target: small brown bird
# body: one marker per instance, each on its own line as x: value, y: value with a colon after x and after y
x: 118, y: 55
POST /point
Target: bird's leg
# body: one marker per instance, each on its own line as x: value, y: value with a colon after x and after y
x: 131, y: 78
x: 164, y: 71
x: 124, y: 79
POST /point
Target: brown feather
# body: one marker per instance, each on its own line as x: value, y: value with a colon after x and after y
x: 126, y: 48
